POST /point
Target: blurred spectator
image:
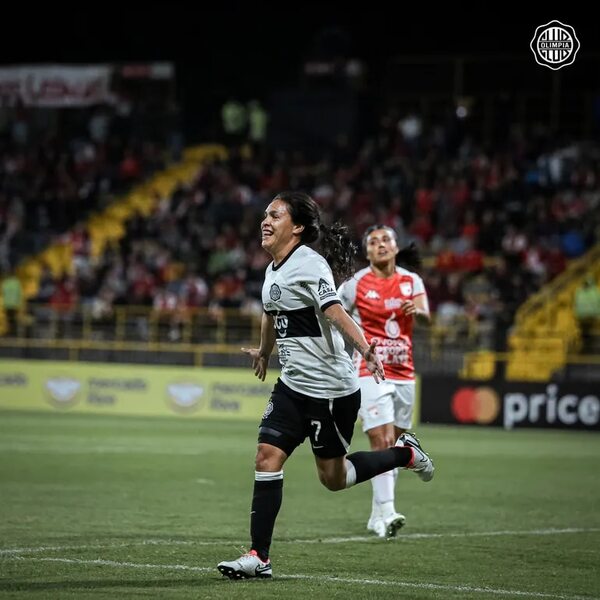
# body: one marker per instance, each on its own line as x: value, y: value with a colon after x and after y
x: 493, y: 222
x: 102, y: 311
x: 234, y: 119
x: 257, y: 127
x: 12, y: 301
x: 165, y: 309
x: 63, y: 303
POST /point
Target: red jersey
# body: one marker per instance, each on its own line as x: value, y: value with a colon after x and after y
x: 375, y: 303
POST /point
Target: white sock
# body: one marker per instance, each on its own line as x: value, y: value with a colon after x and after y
x: 383, y: 491
x: 387, y: 509
x: 375, y: 512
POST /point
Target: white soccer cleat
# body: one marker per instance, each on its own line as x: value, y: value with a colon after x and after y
x: 392, y: 524
x: 246, y: 566
x: 421, y: 464
x: 371, y: 522
x: 377, y: 526
x: 386, y: 527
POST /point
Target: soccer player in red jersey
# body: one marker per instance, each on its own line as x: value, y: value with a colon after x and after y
x: 385, y: 300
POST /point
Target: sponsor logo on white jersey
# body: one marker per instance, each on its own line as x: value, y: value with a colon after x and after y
x: 325, y: 290
x: 275, y: 292
x: 281, y: 324
x: 283, y: 353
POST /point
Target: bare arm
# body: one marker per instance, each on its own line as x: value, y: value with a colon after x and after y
x: 260, y: 356
x: 419, y: 307
x: 353, y: 334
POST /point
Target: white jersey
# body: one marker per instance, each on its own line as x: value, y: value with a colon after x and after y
x: 311, y: 350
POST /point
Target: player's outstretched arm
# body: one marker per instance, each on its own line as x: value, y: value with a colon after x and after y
x: 260, y: 356
x: 353, y: 334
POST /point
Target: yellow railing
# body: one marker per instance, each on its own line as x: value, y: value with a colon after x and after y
x: 546, y: 331
x: 73, y: 348
x: 140, y: 325
x: 539, y: 307
x: 481, y: 365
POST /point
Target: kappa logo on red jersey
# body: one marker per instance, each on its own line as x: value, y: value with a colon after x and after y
x: 372, y: 295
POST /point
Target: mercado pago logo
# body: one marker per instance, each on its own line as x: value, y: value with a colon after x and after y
x: 555, y: 45
x: 184, y: 396
x: 62, y: 391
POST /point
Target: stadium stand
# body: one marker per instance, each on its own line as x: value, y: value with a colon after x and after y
x: 177, y: 256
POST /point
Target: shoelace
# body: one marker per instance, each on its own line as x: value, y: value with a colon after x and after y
x: 246, y: 556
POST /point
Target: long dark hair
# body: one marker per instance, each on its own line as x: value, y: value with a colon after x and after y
x: 407, y: 257
x: 334, y: 241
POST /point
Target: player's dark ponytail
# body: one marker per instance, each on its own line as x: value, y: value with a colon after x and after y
x: 338, y: 249
x: 409, y: 257
x: 334, y: 241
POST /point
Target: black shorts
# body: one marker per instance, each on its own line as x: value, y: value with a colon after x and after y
x: 291, y: 417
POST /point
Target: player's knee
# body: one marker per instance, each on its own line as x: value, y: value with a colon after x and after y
x: 266, y: 459
x: 380, y: 441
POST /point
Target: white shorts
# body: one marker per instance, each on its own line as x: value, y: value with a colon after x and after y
x: 386, y: 402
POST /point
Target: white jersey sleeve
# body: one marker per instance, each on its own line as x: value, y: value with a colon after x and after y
x: 418, y: 285
x: 347, y: 294
x: 317, y: 280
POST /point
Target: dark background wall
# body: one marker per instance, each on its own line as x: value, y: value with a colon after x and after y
x: 256, y: 51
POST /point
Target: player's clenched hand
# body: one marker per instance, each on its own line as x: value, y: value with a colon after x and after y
x: 374, y: 363
x: 260, y: 362
x: 408, y: 307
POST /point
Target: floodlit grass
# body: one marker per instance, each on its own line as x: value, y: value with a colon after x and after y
x: 118, y: 507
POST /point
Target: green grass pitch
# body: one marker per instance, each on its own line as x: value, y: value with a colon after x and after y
x: 123, y: 507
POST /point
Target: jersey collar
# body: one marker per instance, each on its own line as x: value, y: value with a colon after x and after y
x: 275, y: 268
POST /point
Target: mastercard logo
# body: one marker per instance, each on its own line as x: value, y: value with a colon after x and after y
x: 475, y: 405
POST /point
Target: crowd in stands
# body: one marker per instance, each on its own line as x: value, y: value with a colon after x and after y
x: 57, y: 167
x: 493, y: 223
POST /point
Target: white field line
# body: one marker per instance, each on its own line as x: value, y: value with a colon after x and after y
x: 333, y: 540
x: 322, y: 578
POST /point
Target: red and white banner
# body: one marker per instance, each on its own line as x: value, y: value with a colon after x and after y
x: 55, y: 85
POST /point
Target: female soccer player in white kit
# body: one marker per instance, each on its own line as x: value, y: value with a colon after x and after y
x: 317, y: 395
x: 385, y: 299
